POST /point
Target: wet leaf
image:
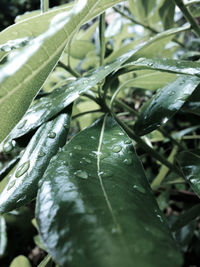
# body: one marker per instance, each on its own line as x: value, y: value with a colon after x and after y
x: 95, y: 205
x: 25, y: 71
x: 47, y: 107
x: 190, y: 165
x: 168, y: 65
x: 165, y: 103
x: 23, y: 183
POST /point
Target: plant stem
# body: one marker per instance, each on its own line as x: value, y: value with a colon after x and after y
x: 188, y: 16
x: 147, y: 148
x: 69, y: 69
x: 44, y: 5
x: 163, y: 170
x: 166, y: 134
x: 86, y: 112
x: 102, y: 37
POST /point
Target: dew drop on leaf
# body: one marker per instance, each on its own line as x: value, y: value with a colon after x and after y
x: 139, y: 188
x: 117, y: 149
x: 21, y: 124
x: 127, y: 161
x: 41, y: 154
x: 77, y: 147
x: 8, y: 147
x: 11, y: 184
x: 128, y: 142
x: 52, y: 135
x: 87, y: 160
x: 22, y: 169
x: 81, y: 174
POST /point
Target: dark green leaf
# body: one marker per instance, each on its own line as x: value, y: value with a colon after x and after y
x: 165, y: 103
x: 23, y: 183
x: 190, y: 164
x: 186, y: 217
x: 192, y: 107
x: 95, y: 205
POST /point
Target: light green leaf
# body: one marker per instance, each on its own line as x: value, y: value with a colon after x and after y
x: 3, y: 236
x: 165, y: 103
x: 23, y: 183
x: 46, y: 262
x: 105, y: 211
x: 22, y: 76
x: 21, y: 261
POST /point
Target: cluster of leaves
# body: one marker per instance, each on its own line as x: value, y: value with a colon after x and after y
x: 78, y: 97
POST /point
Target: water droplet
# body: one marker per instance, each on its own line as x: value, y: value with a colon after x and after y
x: 127, y: 161
x: 87, y: 160
x: 120, y: 133
x: 117, y: 149
x: 11, y: 184
x: 5, y: 48
x: 92, y: 137
x: 8, y: 147
x: 139, y: 188
x: 150, y: 64
x: 21, y: 124
x: 141, y: 59
x: 41, y: 154
x: 81, y: 174
x: 106, y: 67
x: 108, y: 173
x: 70, y: 154
x: 22, y: 169
x: 114, y: 230
x: 114, y: 139
x: 77, y: 147
x: 128, y: 142
x: 104, y: 155
x: 52, y: 135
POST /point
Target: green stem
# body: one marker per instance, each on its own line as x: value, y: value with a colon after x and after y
x: 188, y: 16
x: 147, y: 148
x: 44, y: 5
x: 86, y: 112
x: 69, y: 69
x: 167, y: 135
x: 102, y: 37
x: 163, y: 170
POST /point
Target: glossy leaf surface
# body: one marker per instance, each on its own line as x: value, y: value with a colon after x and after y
x: 165, y: 103
x: 25, y: 71
x: 95, y: 205
x: 168, y: 65
x: 23, y: 183
x: 190, y: 164
x: 47, y: 107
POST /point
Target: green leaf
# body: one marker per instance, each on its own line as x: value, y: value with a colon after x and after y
x: 46, y: 262
x: 165, y: 103
x: 192, y: 107
x: 190, y: 165
x: 95, y: 205
x: 151, y: 80
x: 47, y: 107
x: 80, y: 48
x: 21, y: 261
x: 25, y: 71
x: 168, y: 65
x: 3, y: 236
x: 23, y: 183
x: 166, y: 13
x: 142, y: 8
x: 186, y: 217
